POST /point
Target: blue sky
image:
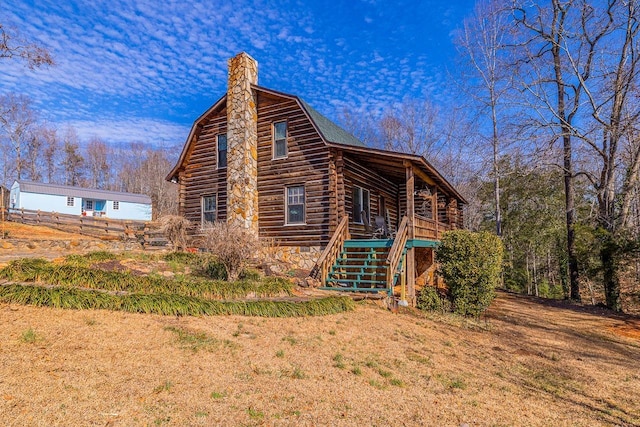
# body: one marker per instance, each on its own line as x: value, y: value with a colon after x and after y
x: 144, y: 70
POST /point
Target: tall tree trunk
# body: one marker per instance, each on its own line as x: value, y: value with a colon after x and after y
x: 496, y: 174
x: 535, y: 275
x: 574, y: 284
x: 528, y: 274
x: 565, y: 126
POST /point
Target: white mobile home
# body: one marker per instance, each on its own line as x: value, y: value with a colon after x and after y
x: 79, y: 201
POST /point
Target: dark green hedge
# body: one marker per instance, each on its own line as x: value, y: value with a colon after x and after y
x: 470, y: 264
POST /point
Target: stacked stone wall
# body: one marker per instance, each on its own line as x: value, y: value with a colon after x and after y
x: 294, y: 257
x: 242, y: 144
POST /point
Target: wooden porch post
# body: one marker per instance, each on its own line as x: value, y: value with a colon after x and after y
x: 434, y: 209
x: 340, y: 191
x: 411, y: 261
x: 449, y: 210
x: 453, y: 213
x: 333, y: 193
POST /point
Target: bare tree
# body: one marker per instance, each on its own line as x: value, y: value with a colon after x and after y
x: 613, y: 138
x: 486, y: 78
x: 553, y: 81
x: 33, y: 156
x: 73, y: 162
x: 50, y: 152
x: 14, y: 46
x: 593, y: 49
x: 412, y: 128
x: 360, y: 124
x: 97, y: 162
x: 17, y: 121
x: 164, y: 195
x: 418, y: 127
x: 140, y: 170
x: 130, y: 159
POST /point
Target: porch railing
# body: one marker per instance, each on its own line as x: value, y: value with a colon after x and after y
x: 426, y: 228
x: 328, y: 257
x: 395, y: 253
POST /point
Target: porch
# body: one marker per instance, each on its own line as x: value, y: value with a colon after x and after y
x: 415, y: 206
x: 376, y: 265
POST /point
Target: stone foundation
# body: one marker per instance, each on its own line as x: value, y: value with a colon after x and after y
x: 293, y: 257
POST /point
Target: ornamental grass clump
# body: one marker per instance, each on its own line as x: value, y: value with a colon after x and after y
x: 470, y: 264
x: 43, y: 271
x: 166, y: 304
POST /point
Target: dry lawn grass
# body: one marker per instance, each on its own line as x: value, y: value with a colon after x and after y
x: 526, y: 364
x: 23, y: 231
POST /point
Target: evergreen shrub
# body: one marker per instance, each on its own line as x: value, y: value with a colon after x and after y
x: 470, y: 264
x: 429, y: 299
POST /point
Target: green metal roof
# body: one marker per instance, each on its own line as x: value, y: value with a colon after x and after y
x: 331, y: 131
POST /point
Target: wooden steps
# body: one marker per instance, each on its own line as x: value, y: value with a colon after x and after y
x: 362, y: 267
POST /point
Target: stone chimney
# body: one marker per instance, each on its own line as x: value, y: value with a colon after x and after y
x: 242, y: 143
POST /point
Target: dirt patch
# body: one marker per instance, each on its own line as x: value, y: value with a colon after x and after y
x: 630, y: 329
x: 525, y: 363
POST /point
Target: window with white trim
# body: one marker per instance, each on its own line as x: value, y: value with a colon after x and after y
x: 361, y: 205
x: 88, y: 205
x: 116, y: 205
x: 209, y: 209
x: 222, y: 150
x: 280, y: 140
x: 295, y: 204
x: 70, y: 201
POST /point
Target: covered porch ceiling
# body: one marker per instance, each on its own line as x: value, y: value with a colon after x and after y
x: 394, y: 167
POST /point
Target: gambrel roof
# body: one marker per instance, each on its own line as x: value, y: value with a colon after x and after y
x: 333, y: 136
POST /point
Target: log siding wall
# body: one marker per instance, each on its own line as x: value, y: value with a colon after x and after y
x: 307, y: 163
x: 201, y: 176
x: 364, y: 176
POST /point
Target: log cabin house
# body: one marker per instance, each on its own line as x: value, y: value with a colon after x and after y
x: 361, y: 219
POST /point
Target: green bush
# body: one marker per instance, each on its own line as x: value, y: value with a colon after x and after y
x: 214, y: 269
x: 429, y: 299
x: 470, y: 264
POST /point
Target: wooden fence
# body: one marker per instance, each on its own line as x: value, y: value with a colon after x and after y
x: 148, y: 233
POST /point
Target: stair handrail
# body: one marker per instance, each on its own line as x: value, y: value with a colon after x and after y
x: 331, y: 251
x: 395, y: 253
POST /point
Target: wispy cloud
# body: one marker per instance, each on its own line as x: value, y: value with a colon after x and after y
x: 115, y: 130
x: 144, y: 70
